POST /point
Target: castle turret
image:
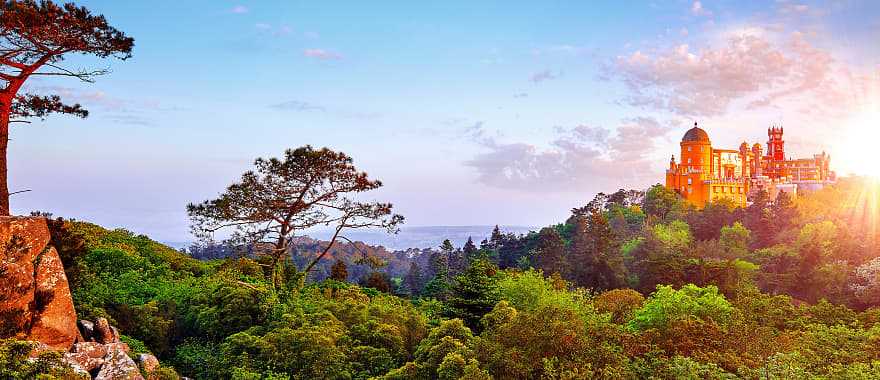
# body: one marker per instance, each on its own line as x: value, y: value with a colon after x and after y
x: 696, y: 152
x: 775, y: 144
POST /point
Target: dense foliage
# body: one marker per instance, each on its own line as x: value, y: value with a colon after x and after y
x: 651, y: 287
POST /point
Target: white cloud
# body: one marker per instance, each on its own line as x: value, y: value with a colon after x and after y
x: 750, y: 66
x: 698, y: 10
x: 321, y: 54
x: 580, y: 157
x: 239, y: 9
x: 544, y: 75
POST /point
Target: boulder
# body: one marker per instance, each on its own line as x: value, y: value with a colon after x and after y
x: 83, y: 360
x: 118, y: 366
x: 35, y: 300
x: 104, y: 333
x: 91, y: 349
x: 148, y: 363
x: 120, y: 345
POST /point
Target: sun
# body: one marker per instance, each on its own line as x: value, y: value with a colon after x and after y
x: 861, y: 143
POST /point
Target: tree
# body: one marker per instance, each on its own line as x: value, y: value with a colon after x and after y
x: 438, y: 286
x: 474, y: 293
x: 339, y: 271
x: 307, y: 188
x: 469, y: 250
x: 35, y: 39
x: 550, y: 255
x: 660, y: 201
x: 378, y: 281
x: 668, y: 305
x: 412, y: 282
x: 734, y: 240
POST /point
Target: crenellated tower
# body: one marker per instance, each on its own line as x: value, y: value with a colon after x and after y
x: 775, y: 144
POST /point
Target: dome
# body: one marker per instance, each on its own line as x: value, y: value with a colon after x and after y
x: 695, y: 134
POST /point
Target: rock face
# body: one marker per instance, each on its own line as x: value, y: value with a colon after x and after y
x: 35, y: 300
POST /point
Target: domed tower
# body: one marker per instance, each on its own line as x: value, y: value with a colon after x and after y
x: 696, y: 152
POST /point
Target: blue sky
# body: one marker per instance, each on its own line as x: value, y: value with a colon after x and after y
x: 470, y: 112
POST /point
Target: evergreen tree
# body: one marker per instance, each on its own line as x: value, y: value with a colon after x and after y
x: 784, y: 213
x: 438, y: 286
x: 474, y: 293
x: 469, y: 250
x: 595, y: 253
x: 412, y: 282
x: 550, y: 252
x: 609, y: 268
x: 759, y: 219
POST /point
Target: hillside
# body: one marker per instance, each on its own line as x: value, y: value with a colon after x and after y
x: 724, y: 316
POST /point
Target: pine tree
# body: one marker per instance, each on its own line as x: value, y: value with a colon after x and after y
x: 438, y: 286
x: 474, y: 293
x: 469, y: 250
x: 413, y: 280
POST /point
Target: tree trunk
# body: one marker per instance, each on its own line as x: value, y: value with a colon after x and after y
x: 4, y: 143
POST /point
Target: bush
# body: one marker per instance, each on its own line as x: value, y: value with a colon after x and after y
x: 668, y: 305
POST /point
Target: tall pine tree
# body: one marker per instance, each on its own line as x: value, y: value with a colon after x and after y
x: 474, y: 293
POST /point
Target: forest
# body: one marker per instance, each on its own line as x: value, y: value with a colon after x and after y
x: 632, y: 285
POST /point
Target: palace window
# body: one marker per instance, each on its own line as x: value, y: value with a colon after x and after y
x: 689, y: 181
x: 689, y: 160
x: 689, y: 149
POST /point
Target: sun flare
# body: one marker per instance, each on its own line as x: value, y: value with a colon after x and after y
x: 861, y: 143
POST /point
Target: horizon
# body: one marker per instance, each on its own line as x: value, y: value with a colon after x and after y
x: 503, y: 115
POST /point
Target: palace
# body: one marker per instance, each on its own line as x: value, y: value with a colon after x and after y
x: 706, y: 174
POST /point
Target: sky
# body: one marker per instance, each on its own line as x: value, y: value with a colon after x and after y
x: 471, y: 113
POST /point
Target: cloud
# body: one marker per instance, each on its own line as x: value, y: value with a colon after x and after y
x: 297, y: 105
x: 321, y: 54
x: 239, y: 9
x: 282, y: 30
x: 580, y: 157
x: 303, y: 106
x: 130, y: 119
x: 542, y: 76
x: 698, y: 10
x: 750, y: 66
x: 564, y: 49
x: 521, y: 95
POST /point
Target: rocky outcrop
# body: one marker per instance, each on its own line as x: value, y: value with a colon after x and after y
x: 147, y: 363
x: 35, y: 300
x: 118, y: 366
x: 36, y: 305
x: 102, y: 355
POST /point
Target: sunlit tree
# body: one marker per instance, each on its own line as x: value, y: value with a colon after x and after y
x: 35, y: 40
x: 282, y: 197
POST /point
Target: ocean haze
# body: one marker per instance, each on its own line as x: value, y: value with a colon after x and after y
x: 410, y: 237
x: 422, y: 236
